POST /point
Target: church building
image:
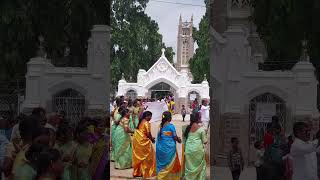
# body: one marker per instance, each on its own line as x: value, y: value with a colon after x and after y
x: 164, y: 78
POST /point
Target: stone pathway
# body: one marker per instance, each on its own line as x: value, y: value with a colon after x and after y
x: 223, y: 173
x: 219, y: 173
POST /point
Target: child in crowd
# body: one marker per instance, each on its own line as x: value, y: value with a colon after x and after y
x: 235, y: 159
x: 183, y: 112
x: 259, y: 159
x: 268, y: 137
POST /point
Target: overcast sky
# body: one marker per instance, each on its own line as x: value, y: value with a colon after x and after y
x: 167, y: 17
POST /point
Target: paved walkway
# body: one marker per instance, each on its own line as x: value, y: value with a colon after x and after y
x: 223, y: 173
x: 219, y: 173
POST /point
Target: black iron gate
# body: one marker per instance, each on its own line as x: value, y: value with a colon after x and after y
x: 9, y: 105
x: 72, y: 103
x: 161, y: 90
x: 257, y: 129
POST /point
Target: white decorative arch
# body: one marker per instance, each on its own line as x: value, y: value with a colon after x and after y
x: 63, y: 85
x: 254, y: 92
x: 195, y: 90
x: 131, y: 89
x: 165, y: 80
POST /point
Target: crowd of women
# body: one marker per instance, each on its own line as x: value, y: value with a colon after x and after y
x: 41, y: 148
x: 133, y: 144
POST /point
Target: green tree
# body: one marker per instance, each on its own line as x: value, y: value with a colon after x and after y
x: 136, y: 43
x: 283, y: 24
x: 199, y: 64
x: 62, y: 23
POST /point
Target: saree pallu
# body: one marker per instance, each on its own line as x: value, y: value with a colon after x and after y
x: 133, y: 123
x: 116, y: 117
x: 122, y: 146
x: 135, y: 120
x: 194, y: 155
x: 83, y: 154
x: 25, y: 172
x: 67, y: 149
x: 168, y: 164
x: 100, y: 157
x: 143, y: 154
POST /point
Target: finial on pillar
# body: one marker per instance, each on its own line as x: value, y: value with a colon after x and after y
x: 122, y: 76
x: 205, y: 77
x: 304, y: 53
x: 163, y: 50
x: 41, y: 52
x: 66, y: 51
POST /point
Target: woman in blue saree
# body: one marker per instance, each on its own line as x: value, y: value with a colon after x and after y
x: 168, y: 164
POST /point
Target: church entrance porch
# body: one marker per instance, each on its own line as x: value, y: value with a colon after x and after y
x: 161, y: 90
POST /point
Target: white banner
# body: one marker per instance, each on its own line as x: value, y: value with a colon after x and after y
x: 157, y: 108
x: 193, y: 97
x: 265, y: 112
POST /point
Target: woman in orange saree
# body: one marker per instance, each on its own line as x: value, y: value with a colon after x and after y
x: 143, y: 154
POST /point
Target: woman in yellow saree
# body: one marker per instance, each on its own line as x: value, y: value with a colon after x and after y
x: 143, y: 154
x: 168, y: 164
x: 171, y: 106
x: 194, y: 151
x: 122, y: 143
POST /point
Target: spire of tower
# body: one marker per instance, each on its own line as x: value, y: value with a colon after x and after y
x: 192, y: 18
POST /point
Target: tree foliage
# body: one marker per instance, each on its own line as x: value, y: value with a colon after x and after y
x: 62, y: 23
x: 199, y: 64
x: 136, y: 43
x: 283, y: 24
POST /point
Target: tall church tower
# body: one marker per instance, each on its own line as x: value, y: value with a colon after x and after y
x: 185, y: 45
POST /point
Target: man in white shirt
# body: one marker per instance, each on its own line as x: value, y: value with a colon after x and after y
x: 303, y: 153
x: 205, y: 113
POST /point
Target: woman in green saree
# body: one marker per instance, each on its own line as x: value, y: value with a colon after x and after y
x: 82, y: 154
x: 67, y: 148
x: 116, y: 117
x: 132, y: 123
x: 122, y: 145
x: 194, y: 151
x: 28, y: 171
